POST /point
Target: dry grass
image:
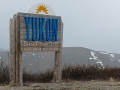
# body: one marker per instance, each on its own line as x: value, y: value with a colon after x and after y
x: 70, y: 73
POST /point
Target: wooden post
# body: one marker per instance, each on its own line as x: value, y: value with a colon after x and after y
x: 60, y: 55
x: 58, y: 61
x: 18, y: 53
x: 55, y: 67
x: 12, y: 52
x: 20, y: 70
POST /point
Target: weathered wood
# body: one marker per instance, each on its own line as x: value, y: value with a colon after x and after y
x: 38, y: 15
x: 60, y: 56
x: 18, y: 54
x: 23, y: 37
x: 24, y: 33
x: 37, y: 43
x: 12, y: 52
x: 38, y: 49
x: 18, y: 44
x: 20, y: 83
x: 55, y: 68
x: 58, y: 61
x: 40, y: 44
x: 20, y: 69
x: 23, y: 25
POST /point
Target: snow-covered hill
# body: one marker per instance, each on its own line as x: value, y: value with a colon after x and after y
x: 71, y: 55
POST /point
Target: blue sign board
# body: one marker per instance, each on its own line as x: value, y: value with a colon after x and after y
x: 38, y: 30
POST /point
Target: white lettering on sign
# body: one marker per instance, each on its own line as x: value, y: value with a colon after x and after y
x: 40, y: 44
x: 30, y: 49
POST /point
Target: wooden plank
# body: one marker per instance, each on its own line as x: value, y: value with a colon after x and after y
x: 11, y: 55
x: 23, y: 32
x: 23, y: 25
x: 58, y: 62
x: 38, y: 49
x: 15, y: 46
x: 44, y: 46
x: 20, y: 70
x: 20, y: 83
x: 24, y: 38
x: 30, y: 33
x: 18, y: 54
x: 55, y: 68
x: 37, y: 15
x: 39, y: 44
x: 60, y: 56
x: 16, y: 36
x: 12, y: 52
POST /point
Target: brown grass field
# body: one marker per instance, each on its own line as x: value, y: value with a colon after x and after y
x: 73, y: 78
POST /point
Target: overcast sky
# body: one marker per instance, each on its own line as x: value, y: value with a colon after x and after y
x: 93, y: 24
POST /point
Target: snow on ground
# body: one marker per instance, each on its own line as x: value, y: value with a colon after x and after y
x: 90, y: 58
x: 93, y: 55
x: 103, y: 52
x: 112, y: 55
x: 33, y: 54
x: 100, y: 62
x: 96, y: 58
x: 0, y: 57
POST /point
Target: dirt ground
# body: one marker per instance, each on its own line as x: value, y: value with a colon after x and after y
x: 74, y: 85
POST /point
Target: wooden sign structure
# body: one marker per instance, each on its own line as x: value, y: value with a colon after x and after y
x: 34, y: 33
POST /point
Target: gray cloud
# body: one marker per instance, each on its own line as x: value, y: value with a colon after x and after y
x: 93, y: 24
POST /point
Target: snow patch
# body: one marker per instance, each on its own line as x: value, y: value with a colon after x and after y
x: 39, y: 56
x: 93, y: 55
x: 96, y: 58
x: 0, y: 57
x: 100, y: 62
x: 90, y: 58
x: 103, y: 52
x: 112, y: 55
x: 30, y: 64
x: 33, y: 54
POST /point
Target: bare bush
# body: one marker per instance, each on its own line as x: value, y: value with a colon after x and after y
x: 69, y: 73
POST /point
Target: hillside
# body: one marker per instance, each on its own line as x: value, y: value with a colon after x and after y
x: 71, y: 55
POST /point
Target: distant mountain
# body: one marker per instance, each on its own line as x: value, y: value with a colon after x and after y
x: 71, y: 56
